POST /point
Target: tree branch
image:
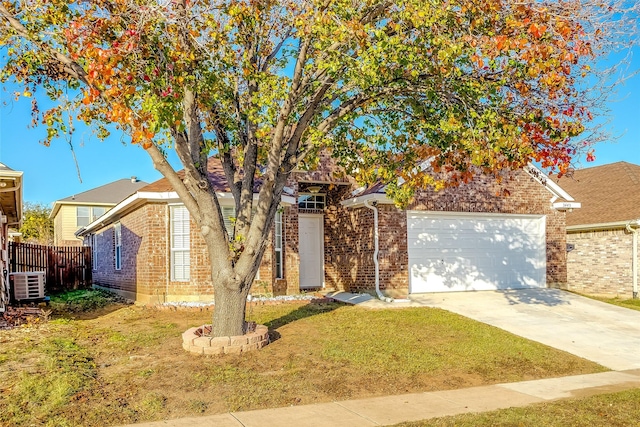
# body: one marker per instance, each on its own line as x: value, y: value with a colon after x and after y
x: 69, y: 66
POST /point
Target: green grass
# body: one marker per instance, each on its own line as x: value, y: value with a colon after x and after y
x: 82, y: 300
x: 126, y: 366
x: 621, y: 409
x: 633, y: 304
x: 61, y: 369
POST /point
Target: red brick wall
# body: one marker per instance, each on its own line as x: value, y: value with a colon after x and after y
x: 146, y: 270
x: 349, y: 239
x: 348, y: 245
x: 526, y: 196
x: 601, y: 263
x: 144, y: 254
x: 291, y: 258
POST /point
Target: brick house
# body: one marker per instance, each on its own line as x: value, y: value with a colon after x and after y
x: 601, y: 234
x: 326, y: 234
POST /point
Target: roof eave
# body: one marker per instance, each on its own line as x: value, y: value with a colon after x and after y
x: 142, y: 197
x: 599, y: 226
x: 18, y: 196
x: 356, y: 202
x: 548, y: 183
x: 59, y: 203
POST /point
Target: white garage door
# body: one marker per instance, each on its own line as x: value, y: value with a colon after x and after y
x: 463, y: 252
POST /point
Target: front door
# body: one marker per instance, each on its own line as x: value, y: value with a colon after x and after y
x: 310, y: 238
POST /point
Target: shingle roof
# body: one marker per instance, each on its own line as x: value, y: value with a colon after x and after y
x: 111, y: 193
x: 608, y: 193
x: 216, y: 177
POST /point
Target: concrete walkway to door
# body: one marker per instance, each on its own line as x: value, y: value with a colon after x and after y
x: 597, y: 331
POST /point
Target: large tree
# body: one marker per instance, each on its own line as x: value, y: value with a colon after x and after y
x: 469, y: 85
x: 37, y: 227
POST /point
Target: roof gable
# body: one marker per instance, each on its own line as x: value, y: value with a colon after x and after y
x: 534, y: 173
x: 110, y: 193
x: 608, y: 193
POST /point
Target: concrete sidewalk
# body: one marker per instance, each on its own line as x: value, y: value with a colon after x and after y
x: 389, y: 410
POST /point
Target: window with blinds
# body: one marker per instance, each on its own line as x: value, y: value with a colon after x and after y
x: 277, y: 244
x: 94, y: 251
x: 117, y: 237
x: 180, y: 244
x: 229, y: 216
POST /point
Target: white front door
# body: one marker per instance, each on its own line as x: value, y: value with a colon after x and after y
x: 311, y: 246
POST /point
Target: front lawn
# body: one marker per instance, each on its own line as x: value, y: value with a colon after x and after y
x: 621, y: 409
x: 111, y: 367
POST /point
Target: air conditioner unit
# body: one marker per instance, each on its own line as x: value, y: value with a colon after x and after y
x: 28, y: 285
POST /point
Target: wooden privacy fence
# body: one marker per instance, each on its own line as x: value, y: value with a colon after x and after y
x: 66, y: 267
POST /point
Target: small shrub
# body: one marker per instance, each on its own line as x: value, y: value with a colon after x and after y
x: 83, y: 300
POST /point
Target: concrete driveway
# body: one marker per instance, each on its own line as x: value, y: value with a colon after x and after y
x: 600, y: 332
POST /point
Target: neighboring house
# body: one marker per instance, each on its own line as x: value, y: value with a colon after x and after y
x: 601, y: 258
x: 10, y: 216
x: 71, y: 213
x: 464, y: 238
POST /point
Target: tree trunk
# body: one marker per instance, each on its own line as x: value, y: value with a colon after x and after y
x: 229, y: 310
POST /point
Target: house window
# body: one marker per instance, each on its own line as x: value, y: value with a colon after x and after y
x: 229, y: 216
x: 97, y: 212
x: 311, y: 201
x: 83, y: 216
x: 277, y: 244
x: 117, y: 233
x: 180, y: 244
x: 86, y: 214
x: 94, y: 251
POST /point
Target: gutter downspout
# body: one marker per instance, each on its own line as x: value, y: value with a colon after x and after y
x: 376, y: 249
x: 634, y: 255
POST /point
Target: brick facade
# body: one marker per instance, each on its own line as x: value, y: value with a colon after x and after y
x: 348, y: 240
x: 349, y: 243
x: 601, y: 262
x: 145, y: 274
x: 525, y: 196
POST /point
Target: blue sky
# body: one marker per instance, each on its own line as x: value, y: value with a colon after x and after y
x: 50, y: 172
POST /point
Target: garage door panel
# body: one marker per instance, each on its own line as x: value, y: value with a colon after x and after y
x: 475, y: 252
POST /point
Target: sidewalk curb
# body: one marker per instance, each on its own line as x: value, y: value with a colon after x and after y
x: 389, y: 410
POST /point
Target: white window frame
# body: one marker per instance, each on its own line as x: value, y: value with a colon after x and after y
x: 312, y: 201
x: 278, y: 240
x: 94, y: 215
x: 117, y: 241
x: 229, y: 217
x: 87, y: 216
x: 180, y: 242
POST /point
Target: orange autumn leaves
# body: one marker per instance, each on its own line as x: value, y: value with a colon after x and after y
x: 473, y: 85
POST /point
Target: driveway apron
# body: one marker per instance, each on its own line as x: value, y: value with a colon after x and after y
x: 597, y: 331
